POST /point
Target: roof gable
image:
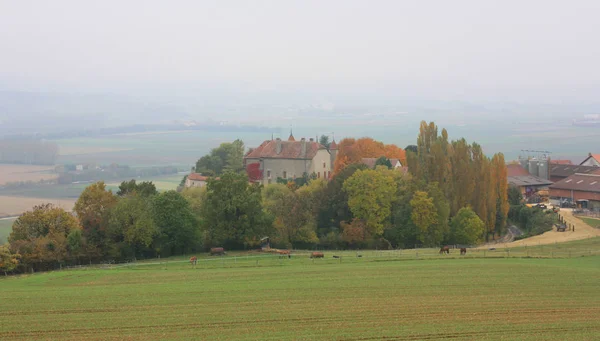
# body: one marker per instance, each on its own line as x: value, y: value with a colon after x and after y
x: 591, y: 156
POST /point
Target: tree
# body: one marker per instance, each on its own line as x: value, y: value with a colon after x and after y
x: 145, y: 188
x: 131, y: 226
x: 8, y: 260
x: 466, y: 227
x: 370, y: 195
x: 324, y: 141
x: 92, y: 209
x: 178, y: 230
x: 424, y: 216
x: 514, y: 195
x: 226, y: 157
x: 439, y: 231
x: 383, y: 161
x: 233, y: 214
x: 411, y: 148
x: 352, y: 151
x: 40, y: 236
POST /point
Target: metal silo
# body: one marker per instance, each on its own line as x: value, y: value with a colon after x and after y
x: 543, y: 169
x: 533, y: 167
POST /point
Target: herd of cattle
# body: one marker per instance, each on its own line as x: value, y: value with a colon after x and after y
x: 219, y: 251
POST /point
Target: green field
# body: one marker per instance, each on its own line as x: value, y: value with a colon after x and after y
x: 593, y: 222
x: 5, y: 229
x: 267, y: 298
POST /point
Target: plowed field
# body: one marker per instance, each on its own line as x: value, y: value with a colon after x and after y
x: 298, y: 299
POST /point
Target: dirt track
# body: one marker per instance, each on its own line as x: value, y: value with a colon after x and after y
x: 582, y: 231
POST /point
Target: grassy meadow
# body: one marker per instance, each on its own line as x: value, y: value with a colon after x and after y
x: 5, y: 229
x: 248, y: 297
x: 593, y: 222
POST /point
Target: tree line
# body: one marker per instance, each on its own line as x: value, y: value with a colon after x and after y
x: 452, y: 193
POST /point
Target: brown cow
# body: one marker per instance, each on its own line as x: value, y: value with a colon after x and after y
x: 445, y: 249
x: 219, y: 251
x: 317, y: 255
x: 463, y: 251
x: 194, y: 260
x: 283, y: 253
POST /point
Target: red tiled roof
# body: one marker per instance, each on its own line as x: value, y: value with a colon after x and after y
x: 289, y: 150
x: 593, y: 156
x: 199, y: 177
x: 516, y: 170
x: 291, y: 138
x: 333, y: 145
x: 561, y: 162
x: 580, y: 182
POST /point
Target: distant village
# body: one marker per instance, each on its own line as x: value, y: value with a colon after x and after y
x: 539, y: 178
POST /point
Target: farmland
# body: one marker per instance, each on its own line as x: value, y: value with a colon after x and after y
x: 5, y: 229
x: 292, y: 299
x: 24, y: 173
x: 14, y: 205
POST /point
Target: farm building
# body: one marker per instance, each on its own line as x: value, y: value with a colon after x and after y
x: 196, y: 180
x: 592, y: 160
x: 559, y: 172
x: 530, y: 185
x: 371, y: 161
x: 583, y: 189
x: 289, y: 159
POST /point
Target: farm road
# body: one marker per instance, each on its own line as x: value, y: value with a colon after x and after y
x: 582, y: 231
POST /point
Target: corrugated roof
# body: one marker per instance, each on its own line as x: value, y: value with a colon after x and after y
x: 568, y: 170
x: 289, y: 150
x: 580, y: 182
x: 528, y: 180
x: 516, y: 170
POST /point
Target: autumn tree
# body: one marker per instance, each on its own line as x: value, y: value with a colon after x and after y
x: 40, y: 236
x: 499, y: 172
x: 8, y: 259
x: 370, y: 196
x: 352, y: 151
x: 92, y: 209
x: 466, y: 227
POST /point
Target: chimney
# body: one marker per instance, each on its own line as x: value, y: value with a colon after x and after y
x: 311, y: 139
x: 303, y: 141
x: 278, y: 147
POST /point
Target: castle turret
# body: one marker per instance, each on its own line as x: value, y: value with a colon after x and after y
x: 333, y: 149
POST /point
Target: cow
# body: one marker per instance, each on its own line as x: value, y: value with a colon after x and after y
x: 445, y: 249
x: 317, y: 255
x: 463, y: 251
x: 219, y: 251
x: 283, y: 253
x: 193, y: 260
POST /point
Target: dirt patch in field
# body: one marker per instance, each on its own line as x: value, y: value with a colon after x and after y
x: 14, y: 206
x: 18, y: 173
x: 582, y: 231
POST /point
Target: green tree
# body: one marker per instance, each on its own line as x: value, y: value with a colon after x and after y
x: 178, y: 230
x: 412, y: 148
x: 131, y: 226
x: 439, y: 231
x: 424, y: 216
x: 92, y: 209
x: 466, y: 227
x: 370, y: 196
x: 514, y: 195
x: 383, y: 161
x: 324, y: 141
x: 233, y: 214
x: 145, y: 188
x: 226, y: 157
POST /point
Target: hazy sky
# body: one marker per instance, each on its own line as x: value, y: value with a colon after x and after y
x: 499, y: 50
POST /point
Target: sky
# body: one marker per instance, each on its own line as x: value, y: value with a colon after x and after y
x: 546, y: 51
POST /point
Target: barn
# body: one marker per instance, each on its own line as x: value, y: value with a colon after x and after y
x: 579, y: 188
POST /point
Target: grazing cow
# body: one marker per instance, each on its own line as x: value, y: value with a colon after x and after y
x: 317, y: 255
x: 283, y: 253
x: 194, y: 260
x: 463, y: 251
x: 445, y: 249
x: 219, y: 251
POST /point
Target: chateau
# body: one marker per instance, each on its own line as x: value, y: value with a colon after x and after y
x: 290, y: 159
